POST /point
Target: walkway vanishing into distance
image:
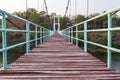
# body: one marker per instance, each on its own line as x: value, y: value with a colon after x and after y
x: 57, y: 59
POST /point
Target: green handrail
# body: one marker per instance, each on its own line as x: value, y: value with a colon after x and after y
x: 44, y: 35
x: 86, y: 31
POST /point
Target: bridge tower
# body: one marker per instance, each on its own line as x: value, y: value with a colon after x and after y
x: 56, y: 24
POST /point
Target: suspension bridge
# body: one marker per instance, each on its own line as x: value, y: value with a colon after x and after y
x: 56, y: 57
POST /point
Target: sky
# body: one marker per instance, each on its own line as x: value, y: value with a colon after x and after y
x: 59, y: 6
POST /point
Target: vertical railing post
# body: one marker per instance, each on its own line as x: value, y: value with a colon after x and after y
x: 50, y: 33
x: 40, y: 35
x: 109, y: 52
x: 36, y: 36
x: 69, y: 34
x: 28, y: 37
x: 72, y: 35
x: 76, y: 35
x: 43, y: 34
x: 47, y: 33
x: 62, y: 32
x: 85, y: 36
x: 4, y: 41
x: 65, y: 33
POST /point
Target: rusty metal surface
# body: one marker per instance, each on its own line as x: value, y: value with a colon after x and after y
x: 57, y: 59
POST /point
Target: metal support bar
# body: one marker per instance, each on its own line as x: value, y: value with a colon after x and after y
x: 28, y: 37
x: 49, y: 33
x: 54, y: 25
x: 4, y: 41
x: 76, y: 35
x: 46, y: 34
x: 40, y: 35
x: 66, y: 34
x: 4, y: 31
x: 69, y: 34
x: 72, y: 35
x: 36, y: 36
x: 109, y: 56
x: 43, y: 34
x: 58, y: 23
x: 63, y: 33
x: 85, y: 37
x: 110, y: 29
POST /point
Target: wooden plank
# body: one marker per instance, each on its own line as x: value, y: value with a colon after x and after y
x: 57, y: 59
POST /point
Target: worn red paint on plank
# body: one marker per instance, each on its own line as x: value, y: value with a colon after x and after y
x: 57, y: 59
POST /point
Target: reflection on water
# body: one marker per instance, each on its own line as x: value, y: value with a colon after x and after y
x: 116, y: 62
x: 116, y: 65
x: 115, y: 59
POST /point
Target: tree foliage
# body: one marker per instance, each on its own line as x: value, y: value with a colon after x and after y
x: 40, y: 18
x: 64, y: 21
x: 80, y: 18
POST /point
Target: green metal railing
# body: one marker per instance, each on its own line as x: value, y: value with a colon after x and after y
x: 44, y: 34
x: 68, y: 34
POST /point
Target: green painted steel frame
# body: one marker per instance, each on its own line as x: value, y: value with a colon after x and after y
x: 86, y: 31
x: 4, y: 41
x: 44, y: 35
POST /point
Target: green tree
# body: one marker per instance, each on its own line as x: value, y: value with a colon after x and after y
x: 40, y: 18
x: 80, y: 18
x: 64, y: 21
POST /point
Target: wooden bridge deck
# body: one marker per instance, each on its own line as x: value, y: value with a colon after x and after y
x: 57, y: 59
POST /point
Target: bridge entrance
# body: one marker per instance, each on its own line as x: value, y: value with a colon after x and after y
x: 56, y: 25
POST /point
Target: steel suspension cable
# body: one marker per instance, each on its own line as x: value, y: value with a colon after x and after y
x: 87, y: 8
x: 13, y: 23
x: 46, y: 7
x: 26, y: 8
x: 67, y: 7
x: 70, y: 9
x: 47, y: 12
x: 75, y: 11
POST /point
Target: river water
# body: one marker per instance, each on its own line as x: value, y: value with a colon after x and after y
x: 116, y: 62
